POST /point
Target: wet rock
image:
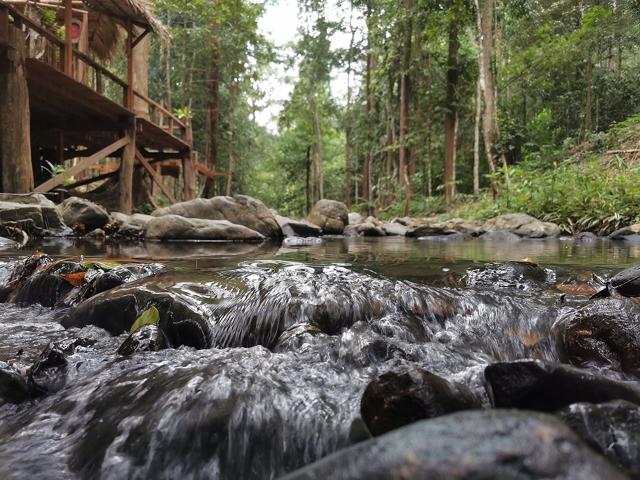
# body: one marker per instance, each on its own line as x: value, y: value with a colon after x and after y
x: 175, y: 227
x: 586, y: 237
x: 80, y: 211
x: 355, y: 218
x: 366, y: 229
x: 34, y: 213
x: 116, y: 310
x: 449, y: 227
x: 395, y: 229
x: 454, y: 237
x: 510, y: 275
x: 546, y: 387
x: 611, y: 429
x: 301, y: 242
x: 626, y: 282
x: 149, y: 338
x: 7, y: 243
x: 238, y: 209
x: 297, y: 228
x: 622, y: 233
x: 396, y: 399
x: 330, y: 215
x: 469, y: 445
x: 605, y: 333
x: 13, y: 386
x: 51, y: 286
x: 48, y: 373
x: 522, y: 225
x: 131, y: 226
x: 500, y: 237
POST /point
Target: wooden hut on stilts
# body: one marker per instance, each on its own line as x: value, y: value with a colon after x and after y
x: 61, y: 107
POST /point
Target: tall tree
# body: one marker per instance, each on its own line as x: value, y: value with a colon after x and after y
x: 451, y: 105
x: 403, y: 170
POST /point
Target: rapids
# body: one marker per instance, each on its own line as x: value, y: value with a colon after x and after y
x: 291, y: 338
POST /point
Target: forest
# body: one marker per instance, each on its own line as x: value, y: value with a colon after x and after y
x: 455, y: 108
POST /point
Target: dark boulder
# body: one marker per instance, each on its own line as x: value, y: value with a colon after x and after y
x: 611, y: 429
x: 116, y: 311
x: 605, y: 333
x: 13, y: 386
x: 546, y: 387
x: 396, y: 399
x: 80, y: 211
x: 52, y: 286
x: 627, y: 282
x: 149, y: 338
x: 48, y: 373
x: 297, y: 228
x: 469, y: 445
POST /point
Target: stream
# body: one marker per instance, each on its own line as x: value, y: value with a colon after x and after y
x: 272, y: 346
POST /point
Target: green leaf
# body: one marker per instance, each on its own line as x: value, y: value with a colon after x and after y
x: 150, y: 316
x: 106, y: 266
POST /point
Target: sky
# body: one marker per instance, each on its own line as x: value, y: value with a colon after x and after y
x: 279, y: 24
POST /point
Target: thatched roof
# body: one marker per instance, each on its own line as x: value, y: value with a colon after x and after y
x: 139, y: 12
x: 105, y: 16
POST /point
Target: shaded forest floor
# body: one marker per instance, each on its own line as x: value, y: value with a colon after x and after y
x: 592, y: 186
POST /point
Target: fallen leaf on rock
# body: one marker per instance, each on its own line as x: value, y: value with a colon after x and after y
x: 75, y: 279
x: 578, y: 289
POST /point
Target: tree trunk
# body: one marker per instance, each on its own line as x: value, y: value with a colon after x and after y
x: 476, y: 141
x: 489, y: 120
x: 451, y: 108
x: 588, y: 104
x: 347, y: 133
x: 15, y: 140
x: 213, y: 114
x: 366, y: 170
x: 318, y: 176
x: 429, y: 126
x: 403, y: 172
x: 142, y: 181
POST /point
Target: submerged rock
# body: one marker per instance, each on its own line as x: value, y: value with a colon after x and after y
x: 80, y: 211
x: 175, y: 227
x: 238, y: 209
x: 301, y: 241
x: 522, y: 225
x: 396, y: 399
x: 13, y: 386
x: 149, y: 338
x: 330, y: 215
x: 469, y: 445
x: 546, y: 387
x: 297, y: 228
x: 605, y: 333
x: 611, y: 429
x: 509, y: 275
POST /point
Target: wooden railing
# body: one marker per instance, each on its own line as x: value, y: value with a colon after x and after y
x: 50, y: 49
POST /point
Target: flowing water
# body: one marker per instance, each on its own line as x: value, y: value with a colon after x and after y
x: 292, y: 336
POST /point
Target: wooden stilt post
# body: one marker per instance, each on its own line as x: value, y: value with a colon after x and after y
x: 126, y: 171
x: 15, y: 141
x: 129, y: 65
x: 188, y: 167
x: 68, y: 45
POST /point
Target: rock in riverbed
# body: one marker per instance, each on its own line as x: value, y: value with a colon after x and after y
x: 522, y: 225
x: 546, y: 387
x: 611, y: 429
x: 605, y: 333
x: 396, y: 399
x: 330, y: 215
x: 239, y: 209
x: 469, y: 445
x: 297, y: 228
x: 80, y: 211
x: 175, y: 227
x: 33, y: 213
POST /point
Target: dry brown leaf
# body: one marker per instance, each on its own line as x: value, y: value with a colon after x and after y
x: 75, y: 279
